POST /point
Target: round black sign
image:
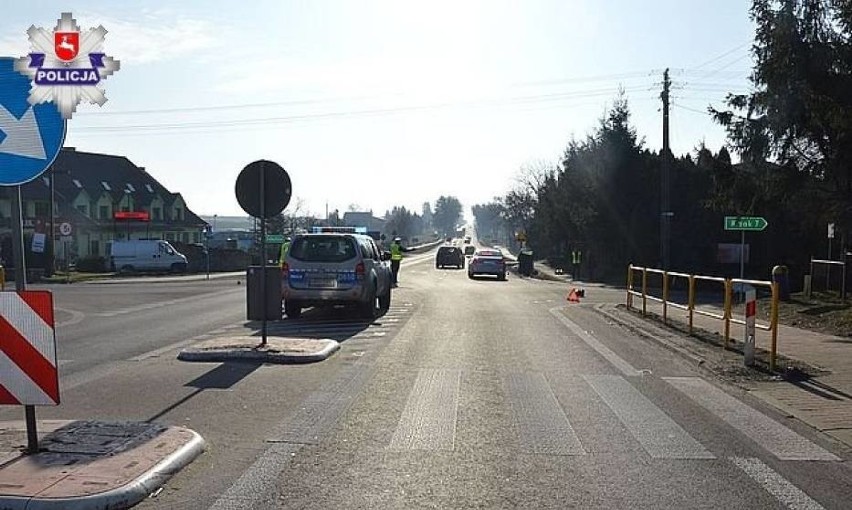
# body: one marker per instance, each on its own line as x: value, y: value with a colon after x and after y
x: 274, y: 183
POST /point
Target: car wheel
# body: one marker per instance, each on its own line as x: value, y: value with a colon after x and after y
x: 292, y: 309
x: 470, y: 275
x: 501, y: 277
x: 368, y: 308
x: 385, y: 302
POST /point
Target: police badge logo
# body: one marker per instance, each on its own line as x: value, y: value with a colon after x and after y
x: 68, y: 67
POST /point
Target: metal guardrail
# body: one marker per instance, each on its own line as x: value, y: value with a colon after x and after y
x: 690, y: 307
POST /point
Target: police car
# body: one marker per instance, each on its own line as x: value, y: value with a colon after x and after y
x: 336, y: 266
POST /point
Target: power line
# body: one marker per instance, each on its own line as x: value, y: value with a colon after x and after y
x: 355, y: 113
x: 721, y: 56
x: 192, y: 109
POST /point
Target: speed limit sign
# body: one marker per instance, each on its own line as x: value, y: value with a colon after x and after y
x: 65, y: 229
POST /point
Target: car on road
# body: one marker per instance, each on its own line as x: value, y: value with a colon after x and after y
x: 449, y: 256
x: 469, y: 250
x: 336, y: 268
x: 146, y: 255
x: 489, y: 262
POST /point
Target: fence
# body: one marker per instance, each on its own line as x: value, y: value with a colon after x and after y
x: 838, y: 274
x: 690, y: 307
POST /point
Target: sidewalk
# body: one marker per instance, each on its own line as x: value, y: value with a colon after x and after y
x: 822, y: 400
x: 90, y: 464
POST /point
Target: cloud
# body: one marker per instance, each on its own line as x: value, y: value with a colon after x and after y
x: 150, y: 37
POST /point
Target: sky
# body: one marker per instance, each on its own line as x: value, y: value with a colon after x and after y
x: 379, y: 103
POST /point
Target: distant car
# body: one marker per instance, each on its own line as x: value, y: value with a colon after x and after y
x: 328, y: 269
x: 467, y: 240
x: 487, y: 261
x: 469, y: 250
x: 449, y: 256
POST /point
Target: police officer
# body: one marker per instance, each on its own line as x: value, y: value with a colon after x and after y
x: 396, y: 258
x: 285, y: 249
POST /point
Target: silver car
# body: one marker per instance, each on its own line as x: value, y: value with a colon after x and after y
x: 328, y: 269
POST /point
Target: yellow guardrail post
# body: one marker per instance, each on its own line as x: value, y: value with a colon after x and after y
x: 691, y: 300
x: 665, y: 296
x: 629, y: 286
x: 644, y: 290
x: 773, y: 323
x: 728, y: 290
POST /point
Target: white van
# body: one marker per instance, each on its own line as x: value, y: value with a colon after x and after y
x: 146, y: 255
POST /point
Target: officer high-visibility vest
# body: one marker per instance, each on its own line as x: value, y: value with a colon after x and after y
x: 285, y: 249
x: 396, y: 251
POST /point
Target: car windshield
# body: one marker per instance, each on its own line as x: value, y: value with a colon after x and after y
x: 323, y: 248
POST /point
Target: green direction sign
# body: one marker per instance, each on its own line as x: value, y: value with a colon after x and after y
x: 275, y: 238
x: 751, y: 223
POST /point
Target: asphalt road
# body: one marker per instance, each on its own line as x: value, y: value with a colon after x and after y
x: 468, y: 394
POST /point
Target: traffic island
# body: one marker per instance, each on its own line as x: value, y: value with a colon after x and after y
x: 90, y: 464
x: 249, y: 348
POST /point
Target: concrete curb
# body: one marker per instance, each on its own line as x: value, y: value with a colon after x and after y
x: 122, y: 497
x: 243, y: 354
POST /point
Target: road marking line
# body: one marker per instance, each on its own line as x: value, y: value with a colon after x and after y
x: 778, y: 439
x: 658, y: 434
x: 619, y: 363
x: 773, y: 483
x: 76, y: 317
x: 542, y: 424
x: 428, y: 421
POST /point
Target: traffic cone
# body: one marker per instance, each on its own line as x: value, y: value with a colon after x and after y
x: 573, y: 297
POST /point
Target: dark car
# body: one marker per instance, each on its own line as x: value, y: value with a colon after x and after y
x: 487, y: 261
x: 469, y: 249
x: 449, y: 256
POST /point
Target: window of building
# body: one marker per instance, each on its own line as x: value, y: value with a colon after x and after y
x: 130, y: 187
x: 77, y: 183
x: 178, y: 213
x: 156, y: 213
x: 83, y: 209
x: 106, y: 186
x: 94, y: 247
x: 103, y: 212
x: 186, y: 237
x: 149, y: 188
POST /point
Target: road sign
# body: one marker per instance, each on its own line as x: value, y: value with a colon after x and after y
x: 30, y: 136
x: 747, y: 223
x: 275, y: 184
x: 28, y: 373
x: 275, y: 238
x: 65, y: 229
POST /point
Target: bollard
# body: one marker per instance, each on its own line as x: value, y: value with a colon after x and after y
x: 728, y: 290
x: 750, y: 316
x: 691, y: 302
x: 644, y: 291
x: 629, y: 286
x: 665, y: 296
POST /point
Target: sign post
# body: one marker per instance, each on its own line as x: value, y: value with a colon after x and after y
x: 263, y: 190
x: 32, y: 138
x: 743, y: 224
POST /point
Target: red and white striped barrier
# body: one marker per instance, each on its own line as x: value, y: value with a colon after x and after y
x: 28, y: 372
x: 750, y: 321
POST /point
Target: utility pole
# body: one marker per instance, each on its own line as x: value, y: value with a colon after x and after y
x: 665, y: 206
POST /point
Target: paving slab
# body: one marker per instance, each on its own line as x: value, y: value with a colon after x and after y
x: 249, y: 348
x: 89, y: 464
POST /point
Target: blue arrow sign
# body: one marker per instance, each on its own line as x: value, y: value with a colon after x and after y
x: 30, y: 136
